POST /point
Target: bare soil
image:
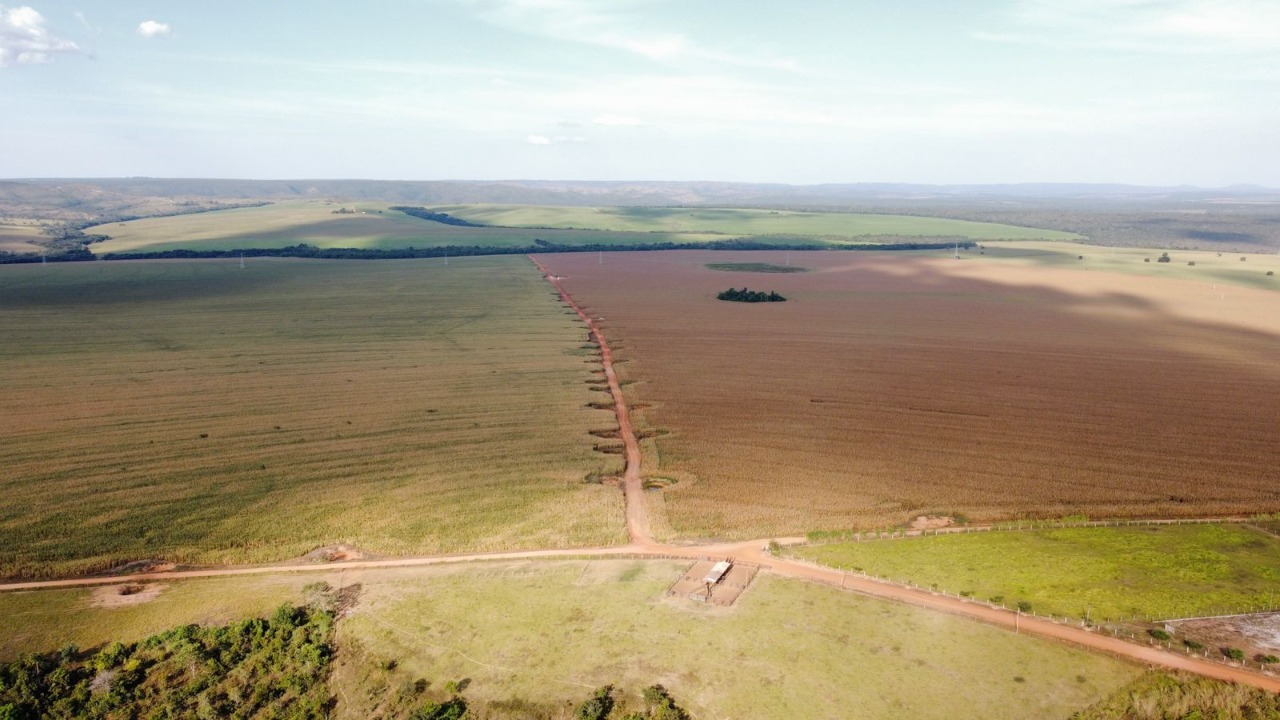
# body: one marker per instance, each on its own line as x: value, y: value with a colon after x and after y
x: 125, y: 595
x: 895, y: 385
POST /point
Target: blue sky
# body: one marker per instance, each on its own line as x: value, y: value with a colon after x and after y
x: 1138, y: 91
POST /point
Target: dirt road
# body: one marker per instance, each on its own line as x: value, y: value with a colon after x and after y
x: 754, y: 551
x: 637, y: 515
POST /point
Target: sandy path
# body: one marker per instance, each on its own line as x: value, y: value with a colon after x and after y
x: 754, y: 551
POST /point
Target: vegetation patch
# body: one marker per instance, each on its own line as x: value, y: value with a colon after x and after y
x: 1105, y: 573
x: 1159, y: 695
x: 756, y: 267
x: 258, y: 668
x: 749, y: 296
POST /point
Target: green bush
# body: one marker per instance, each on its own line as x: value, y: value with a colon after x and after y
x: 1159, y: 634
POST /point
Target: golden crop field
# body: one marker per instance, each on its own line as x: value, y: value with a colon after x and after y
x: 19, y: 236
x: 897, y: 384
x: 197, y: 412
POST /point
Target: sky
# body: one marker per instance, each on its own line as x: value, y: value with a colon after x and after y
x: 1154, y: 92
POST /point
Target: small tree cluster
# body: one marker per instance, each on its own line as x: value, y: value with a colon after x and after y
x: 750, y: 296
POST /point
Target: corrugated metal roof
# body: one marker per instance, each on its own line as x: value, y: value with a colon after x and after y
x: 717, y: 572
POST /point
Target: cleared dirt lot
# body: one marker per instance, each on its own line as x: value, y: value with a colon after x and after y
x: 894, y: 385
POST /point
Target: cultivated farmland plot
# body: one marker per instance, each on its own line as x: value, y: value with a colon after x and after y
x: 893, y: 385
x: 377, y: 226
x: 194, y: 411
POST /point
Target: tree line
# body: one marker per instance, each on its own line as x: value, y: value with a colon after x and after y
x: 442, y: 218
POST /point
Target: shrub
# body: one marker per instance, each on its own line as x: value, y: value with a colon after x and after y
x: 1024, y: 606
x: 1268, y: 659
x: 598, y: 707
x: 997, y: 599
x: 1159, y: 634
x: 1164, y: 257
x: 1192, y: 645
x: 1233, y: 653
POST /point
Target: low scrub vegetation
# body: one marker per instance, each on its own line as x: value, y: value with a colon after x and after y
x: 258, y: 668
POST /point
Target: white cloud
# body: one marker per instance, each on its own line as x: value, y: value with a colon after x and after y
x: 24, y: 40
x: 152, y: 28
x: 1175, y: 26
x: 611, y: 120
x: 538, y: 140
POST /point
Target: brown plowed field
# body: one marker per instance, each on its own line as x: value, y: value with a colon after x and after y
x: 895, y: 385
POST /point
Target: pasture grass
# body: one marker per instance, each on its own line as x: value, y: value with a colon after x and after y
x: 783, y: 225
x: 371, y: 226
x: 192, y: 411
x: 550, y: 632
x: 1160, y: 571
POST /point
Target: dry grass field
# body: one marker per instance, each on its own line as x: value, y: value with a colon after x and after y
x: 196, y: 412
x: 892, y: 385
x: 19, y: 236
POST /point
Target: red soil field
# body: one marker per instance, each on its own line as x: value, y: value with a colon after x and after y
x: 892, y: 385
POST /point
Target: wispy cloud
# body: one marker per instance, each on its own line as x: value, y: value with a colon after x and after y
x: 606, y: 23
x: 153, y: 29
x: 1168, y: 26
x: 24, y: 39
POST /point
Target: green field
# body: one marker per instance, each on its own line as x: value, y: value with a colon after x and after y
x: 1211, y: 267
x: 1163, y: 571
x: 744, y: 222
x: 376, y: 226
x: 372, y: 226
x: 198, y: 412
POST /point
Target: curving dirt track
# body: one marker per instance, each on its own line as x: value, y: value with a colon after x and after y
x: 755, y: 551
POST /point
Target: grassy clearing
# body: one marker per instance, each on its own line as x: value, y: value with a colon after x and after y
x: 371, y: 226
x: 197, y: 412
x: 549, y: 633
x: 38, y: 621
x: 1210, y: 267
x: 1160, y: 571
x: 892, y: 385
x: 744, y: 222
